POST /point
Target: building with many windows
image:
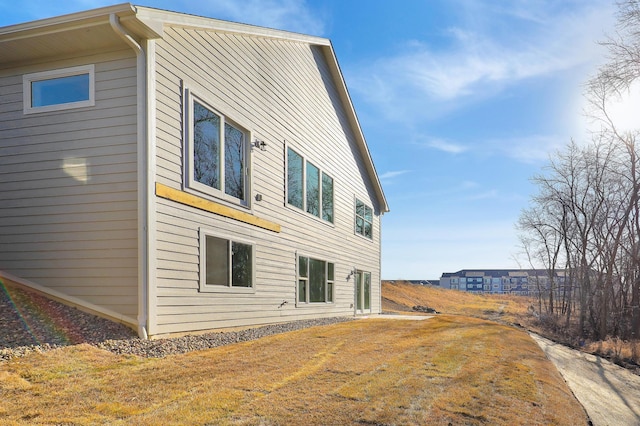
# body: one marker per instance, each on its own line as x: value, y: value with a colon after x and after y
x: 503, y: 281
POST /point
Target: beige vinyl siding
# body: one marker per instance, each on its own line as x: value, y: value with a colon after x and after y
x: 282, y: 92
x: 68, y: 184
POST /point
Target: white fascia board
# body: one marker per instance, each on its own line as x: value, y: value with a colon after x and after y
x: 198, y: 22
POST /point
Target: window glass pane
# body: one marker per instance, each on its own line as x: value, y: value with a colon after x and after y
x: 329, y: 292
x: 294, y: 178
x: 368, y: 231
x: 364, y: 219
x: 241, y: 265
x: 367, y: 291
x: 234, y: 146
x: 303, y: 266
x: 368, y: 215
x: 313, y: 190
x: 217, y: 261
x: 302, y: 291
x: 316, y: 280
x: 330, y: 273
x: 61, y: 90
x: 327, y: 198
x: 206, y: 146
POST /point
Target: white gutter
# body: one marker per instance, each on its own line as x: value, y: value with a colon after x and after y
x: 143, y: 195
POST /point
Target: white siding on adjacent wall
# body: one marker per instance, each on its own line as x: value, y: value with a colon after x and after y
x: 68, y: 188
x: 282, y: 92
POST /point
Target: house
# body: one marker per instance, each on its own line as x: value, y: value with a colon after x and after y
x: 179, y: 173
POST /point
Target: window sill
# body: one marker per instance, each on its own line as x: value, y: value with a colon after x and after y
x: 314, y: 305
x: 310, y: 216
x: 363, y: 237
x: 216, y: 196
x: 228, y: 290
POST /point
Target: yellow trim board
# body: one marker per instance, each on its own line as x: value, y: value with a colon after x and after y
x: 182, y: 197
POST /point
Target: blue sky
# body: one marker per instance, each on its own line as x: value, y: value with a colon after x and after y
x: 461, y: 102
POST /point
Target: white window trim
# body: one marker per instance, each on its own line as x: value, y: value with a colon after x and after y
x: 304, y: 304
x: 213, y: 288
x: 28, y: 79
x: 197, y: 188
x: 303, y: 210
x: 355, y: 219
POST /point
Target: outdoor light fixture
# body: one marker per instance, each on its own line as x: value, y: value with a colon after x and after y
x: 261, y: 145
x: 352, y: 273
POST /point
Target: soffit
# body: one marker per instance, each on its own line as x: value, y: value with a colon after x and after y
x: 63, y: 44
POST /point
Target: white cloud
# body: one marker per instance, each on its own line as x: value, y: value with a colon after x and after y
x: 482, y: 59
x: 531, y: 149
x: 468, y: 184
x: 491, y: 194
x: 446, y: 146
x: 392, y: 174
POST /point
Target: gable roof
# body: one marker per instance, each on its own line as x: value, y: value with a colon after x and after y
x: 32, y: 42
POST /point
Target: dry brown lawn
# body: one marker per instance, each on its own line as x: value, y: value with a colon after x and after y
x: 446, y: 370
x: 401, y: 296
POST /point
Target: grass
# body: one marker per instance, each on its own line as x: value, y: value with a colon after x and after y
x: 450, y: 369
x: 400, y: 296
x: 624, y: 352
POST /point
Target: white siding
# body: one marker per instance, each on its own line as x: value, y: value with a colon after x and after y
x: 281, y: 91
x: 68, y: 187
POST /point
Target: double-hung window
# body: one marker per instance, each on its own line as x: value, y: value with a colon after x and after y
x: 309, y: 188
x: 59, y: 89
x: 225, y: 264
x: 364, y: 220
x: 217, y: 154
x: 316, y: 280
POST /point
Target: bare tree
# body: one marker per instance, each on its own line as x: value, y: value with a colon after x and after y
x: 586, y: 214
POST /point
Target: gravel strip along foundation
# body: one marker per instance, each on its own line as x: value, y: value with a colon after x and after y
x: 30, y: 322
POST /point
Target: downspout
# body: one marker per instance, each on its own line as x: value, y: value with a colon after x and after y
x: 380, y: 264
x: 143, y: 210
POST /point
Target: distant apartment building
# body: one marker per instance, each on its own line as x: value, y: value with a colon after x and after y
x: 525, y: 282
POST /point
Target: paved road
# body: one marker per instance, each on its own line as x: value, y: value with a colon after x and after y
x: 609, y: 393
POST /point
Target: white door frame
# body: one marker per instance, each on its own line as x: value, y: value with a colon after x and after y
x: 359, y: 292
